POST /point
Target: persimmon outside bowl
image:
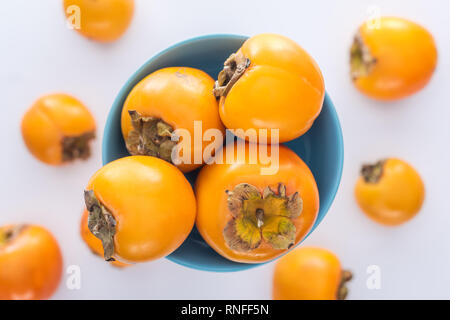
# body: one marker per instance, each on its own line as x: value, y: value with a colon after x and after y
x: 321, y: 147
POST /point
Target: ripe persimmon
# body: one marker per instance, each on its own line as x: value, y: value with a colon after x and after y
x: 166, y: 100
x: 58, y: 129
x: 30, y: 263
x: 393, y: 59
x: 250, y: 217
x: 309, y: 273
x: 94, y: 243
x: 141, y: 208
x: 270, y: 83
x: 100, y: 20
x: 390, y: 191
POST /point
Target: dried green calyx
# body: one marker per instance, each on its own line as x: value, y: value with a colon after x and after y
x: 372, y: 173
x: 101, y: 223
x: 9, y: 233
x: 257, y: 218
x: 342, y: 292
x: 234, y: 68
x: 361, y: 60
x: 77, y: 147
x: 150, y: 136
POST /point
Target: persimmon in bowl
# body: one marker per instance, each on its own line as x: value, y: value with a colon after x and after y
x: 321, y: 148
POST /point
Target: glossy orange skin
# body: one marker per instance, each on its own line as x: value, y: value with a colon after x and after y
x: 396, y: 198
x: 152, y: 202
x: 30, y: 266
x: 307, y: 273
x: 282, y: 89
x: 102, y: 20
x: 213, y: 213
x: 406, y: 58
x: 49, y: 120
x: 93, y: 242
x: 179, y: 96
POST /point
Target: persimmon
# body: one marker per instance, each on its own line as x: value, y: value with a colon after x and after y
x: 93, y: 242
x: 392, y: 60
x: 58, y: 129
x: 166, y: 100
x: 100, y: 20
x: 250, y: 217
x: 390, y: 191
x: 270, y: 83
x: 30, y: 263
x: 141, y: 208
x: 310, y: 273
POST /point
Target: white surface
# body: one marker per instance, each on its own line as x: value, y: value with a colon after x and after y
x: 40, y: 55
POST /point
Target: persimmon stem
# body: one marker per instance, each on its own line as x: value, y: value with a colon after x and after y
x: 261, y: 217
x: 101, y: 223
x: 342, y: 292
x: 8, y: 234
x: 234, y: 68
x: 77, y: 147
x: 361, y: 60
x: 150, y: 136
x: 372, y: 173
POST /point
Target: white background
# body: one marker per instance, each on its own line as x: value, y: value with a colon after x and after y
x: 40, y: 55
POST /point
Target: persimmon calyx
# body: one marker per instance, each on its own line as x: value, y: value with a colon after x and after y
x: 361, y: 60
x: 101, y: 223
x: 150, y: 136
x: 9, y: 233
x: 257, y: 218
x: 77, y: 147
x: 342, y: 292
x: 372, y: 173
x: 234, y: 68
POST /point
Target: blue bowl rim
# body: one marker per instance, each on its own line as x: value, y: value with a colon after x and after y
x: 340, y: 155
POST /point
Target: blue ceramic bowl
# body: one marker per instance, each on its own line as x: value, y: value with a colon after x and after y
x: 321, y: 147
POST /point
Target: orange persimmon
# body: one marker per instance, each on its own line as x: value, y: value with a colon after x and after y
x: 270, y: 83
x: 100, y: 20
x: 58, y: 129
x: 142, y: 208
x: 393, y: 59
x: 30, y: 263
x: 390, y: 191
x: 309, y: 273
x: 167, y: 100
x: 251, y: 216
x: 94, y: 243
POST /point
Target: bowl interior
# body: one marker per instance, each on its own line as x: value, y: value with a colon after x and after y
x: 321, y: 147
